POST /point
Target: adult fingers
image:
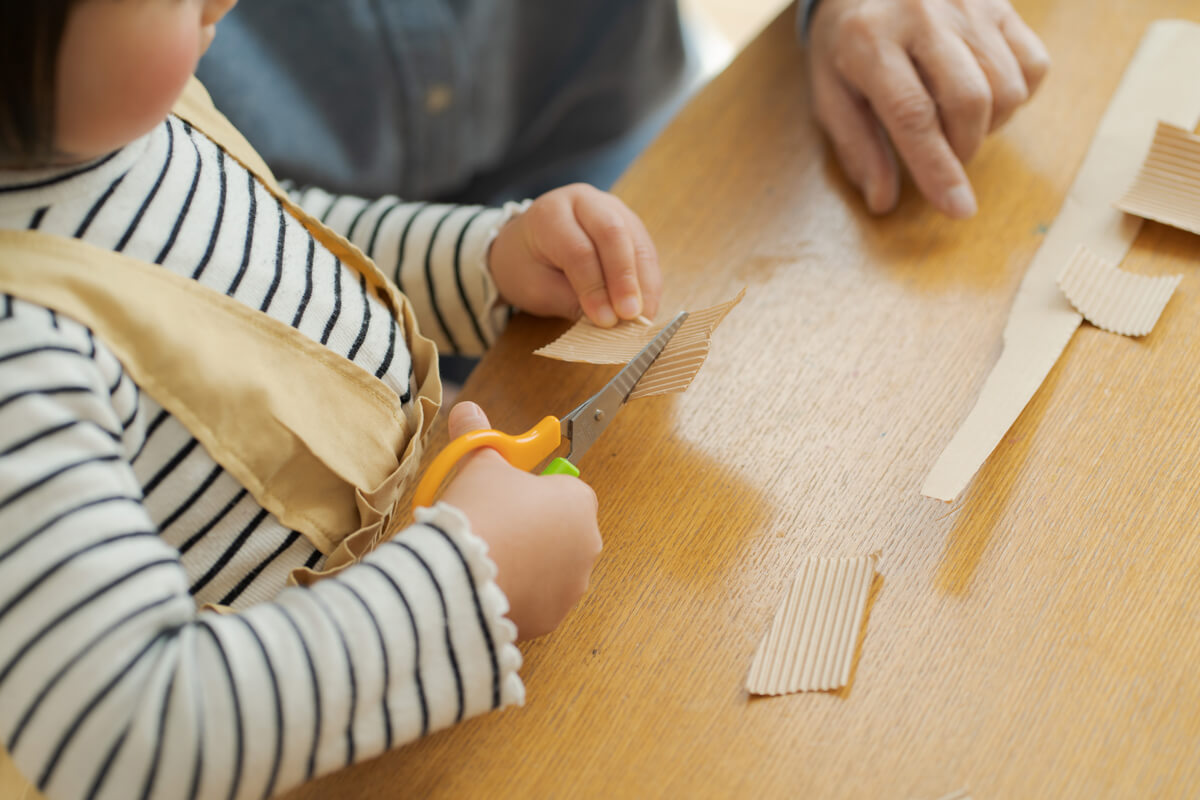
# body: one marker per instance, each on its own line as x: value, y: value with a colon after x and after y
x: 1003, y: 71
x: 860, y: 144
x: 1026, y: 47
x: 910, y: 115
x: 617, y: 286
x: 959, y: 87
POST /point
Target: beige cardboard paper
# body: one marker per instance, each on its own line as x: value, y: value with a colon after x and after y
x: 1112, y: 299
x: 810, y: 646
x: 1159, y: 84
x: 1167, y: 188
x: 675, y: 366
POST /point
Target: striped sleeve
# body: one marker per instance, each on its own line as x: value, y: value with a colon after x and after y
x: 113, y: 685
x: 435, y: 253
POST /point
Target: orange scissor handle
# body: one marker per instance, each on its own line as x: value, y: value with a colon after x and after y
x: 524, y: 451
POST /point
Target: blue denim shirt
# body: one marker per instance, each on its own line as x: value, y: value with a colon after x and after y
x: 420, y: 97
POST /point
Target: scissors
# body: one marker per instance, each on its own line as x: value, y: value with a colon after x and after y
x: 580, y: 428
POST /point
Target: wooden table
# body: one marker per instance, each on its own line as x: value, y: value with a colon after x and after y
x: 1040, y: 638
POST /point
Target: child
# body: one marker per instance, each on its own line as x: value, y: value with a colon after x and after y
x: 119, y: 517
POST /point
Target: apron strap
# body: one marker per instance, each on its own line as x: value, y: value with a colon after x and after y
x: 318, y: 441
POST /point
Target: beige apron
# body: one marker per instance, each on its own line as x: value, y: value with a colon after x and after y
x: 319, y: 442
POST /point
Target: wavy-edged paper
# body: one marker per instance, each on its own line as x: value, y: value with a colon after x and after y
x: 1159, y: 84
x: 1167, y: 188
x: 675, y: 366
x: 1113, y: 299
x: 810, y: 646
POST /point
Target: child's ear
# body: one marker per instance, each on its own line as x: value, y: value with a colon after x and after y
x: 214, y: 10
x: 210, y: 15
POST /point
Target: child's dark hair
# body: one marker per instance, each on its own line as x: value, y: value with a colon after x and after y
x: 30, y: 34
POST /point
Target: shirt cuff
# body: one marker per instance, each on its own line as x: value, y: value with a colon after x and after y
x: 499, y: 312
x: 491, y: 605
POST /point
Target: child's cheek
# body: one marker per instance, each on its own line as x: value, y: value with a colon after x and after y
x: 155, y: 80
x: 120, y: 73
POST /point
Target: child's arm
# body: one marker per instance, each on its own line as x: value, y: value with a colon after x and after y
x: 572, y: 249
x: 109, y: 677
x: 435, y: 253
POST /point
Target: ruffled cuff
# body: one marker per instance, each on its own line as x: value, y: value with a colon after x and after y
x: 499, y: 312
x: 492, y: 600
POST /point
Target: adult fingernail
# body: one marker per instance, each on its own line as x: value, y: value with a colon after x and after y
x: 879, y: 195
x: 960, y: 202
x: 877, y: 202
x: 629, y: 307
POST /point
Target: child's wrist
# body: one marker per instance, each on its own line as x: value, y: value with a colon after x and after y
x: 509, y: 211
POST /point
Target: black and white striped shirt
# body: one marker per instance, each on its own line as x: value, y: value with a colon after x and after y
x: 115, y: 523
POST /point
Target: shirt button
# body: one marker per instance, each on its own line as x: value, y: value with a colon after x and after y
x: 438, y: 98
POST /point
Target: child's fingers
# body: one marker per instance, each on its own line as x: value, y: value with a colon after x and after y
x: 466, y: 417
x: 608, y: 227
x: 649, y: 274
x: 562, y: 241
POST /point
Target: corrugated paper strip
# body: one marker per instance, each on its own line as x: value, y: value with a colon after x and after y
x: 1159, y: 84
x: 1112, y: 299
x: 1167, y: 188
x: 810, y: 646
x: 675, y: 366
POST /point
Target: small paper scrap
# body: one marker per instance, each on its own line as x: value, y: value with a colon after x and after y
x: 1112, y: 299
x: 1167, y: 189
x: 810, y: 646
x: 675, y: 366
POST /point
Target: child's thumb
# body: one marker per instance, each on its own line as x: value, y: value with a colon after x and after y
x: 466, y: 417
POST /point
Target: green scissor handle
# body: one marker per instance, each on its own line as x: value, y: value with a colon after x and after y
x: 560, y: 466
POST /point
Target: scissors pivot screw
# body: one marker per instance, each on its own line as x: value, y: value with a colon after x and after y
x: 598, y: 415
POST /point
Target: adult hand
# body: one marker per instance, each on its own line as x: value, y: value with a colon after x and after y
x: 936, y: 76
x: 541, y: 531
x: 578, y: 248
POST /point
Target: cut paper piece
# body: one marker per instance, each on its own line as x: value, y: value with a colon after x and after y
x: 1112, y: 299
x: 810, y: 646
x: 675, y: 366
x: 1158, y: 85
x: 1167, y: 189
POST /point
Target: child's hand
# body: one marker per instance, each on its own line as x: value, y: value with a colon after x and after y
x: 577, y: 248
x: 541, y: 530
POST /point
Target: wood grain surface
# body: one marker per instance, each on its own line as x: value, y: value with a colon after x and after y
x: 1039, y: 638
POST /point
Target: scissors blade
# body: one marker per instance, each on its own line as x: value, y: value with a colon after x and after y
x: 585, y: 424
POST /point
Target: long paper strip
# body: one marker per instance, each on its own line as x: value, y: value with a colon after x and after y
x: 675, y: 366
x: 1112, y: 299
x: 810, y: 646
x: 1159, y: 84
x: 1167, y: 189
